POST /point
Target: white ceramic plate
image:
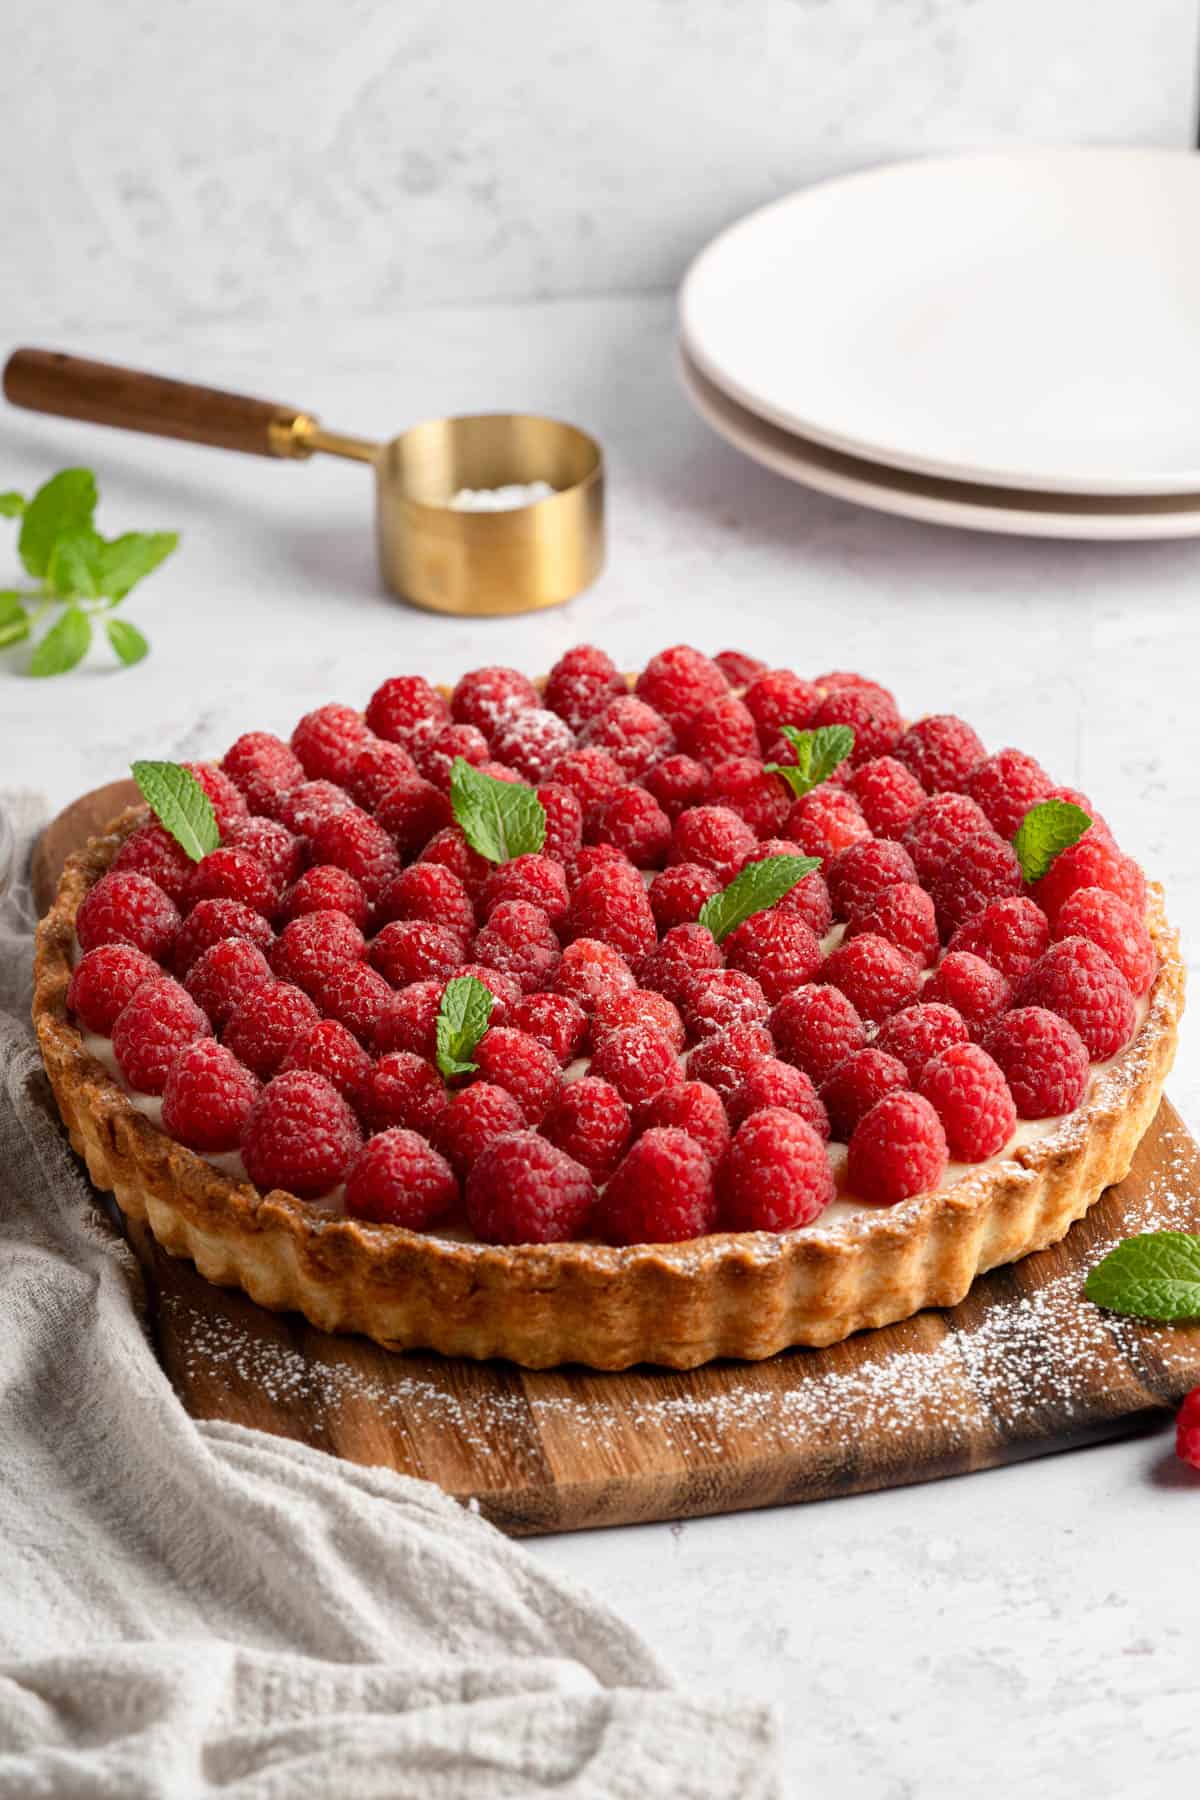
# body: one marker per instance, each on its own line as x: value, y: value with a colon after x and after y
x: 969, y: 506
x: 1030, y: 319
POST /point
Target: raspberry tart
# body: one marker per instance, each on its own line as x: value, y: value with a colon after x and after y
x: 608, y: 1019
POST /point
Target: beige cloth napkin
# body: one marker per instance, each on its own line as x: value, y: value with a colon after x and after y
x: 192, y: 1608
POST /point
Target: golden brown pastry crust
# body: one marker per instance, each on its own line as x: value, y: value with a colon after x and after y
x: 733, y: 1294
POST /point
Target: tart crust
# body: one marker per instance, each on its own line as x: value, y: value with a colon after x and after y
x: 745, y: 1295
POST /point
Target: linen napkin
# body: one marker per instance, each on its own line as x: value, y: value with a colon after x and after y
x: 192, y: 1608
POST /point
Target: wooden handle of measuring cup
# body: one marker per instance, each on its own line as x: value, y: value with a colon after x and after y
x: 50, y: 381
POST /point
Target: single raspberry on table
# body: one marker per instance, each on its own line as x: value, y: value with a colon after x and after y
x: 694, y: 1107
x: 1079, y: 981
x: 525, y: 1190
x: 916, y: 1034
x: 261, y: 1027
x: 300, y: 1136
x: 399, y: 1179
x: 713, y: 836
x: 905, y: 915
x: 637, y: 1060
x: 309, y: 947
x: 862, y: 870
x: 326, y: 889
x: 939, y: 825
x: 979, y: 871
x: 514, y: 1060
x: 888, y: 793
x: 475, y: 1118
x: 972, y: 1099
x: 678, y: 893
x: 207, y: 1097
x: 777, y: 948
x: 1094, y: 861
x: 680, y: 682
x: 434, y: 757
x: 662, y: 1193
x: 677, y: 782
x: 590, y: 773
x: 1006, y: 785
x: 531, y: 742
x: 152, y: 851
x: 432, y: 894
x: 772, y: 1083
x: 873, y: 716
x: 328, y: 739
x: 414, y: 950
x: 874, y: 974
x: 151, y: 1029
x: 450, y: 848
x: 612, y: 908
x: 738, y: 668
x: 564, y: 821
x: 408, y: 1020
x: 405, y: 709
x: 1010, y: 934
x: 724, y: 1060
x: 537, y: 879
x: 898, y: 1149
x: 281, y: 853
x: 1121, y: 933
x: 746, y: 787
x: 590, y: 1121
x: 327, y: 1048
x: 776, y: 1176
x: 1187, y: 1430
x: 1043, y: 1059
x: 723, y: 728
x: 519, y: 940
x: 632, y: 733
x: 354, y: 841
x: 589, y: 971
x: 304, y: 807
x: 856, y: 1084
x: 226, y: 974
x: 977, y: 991
x: 682, y: 956
x: 264, y: 769
x: 403, y: 1090
x: 411, y: 813
x: 376, y: 770
x: 355, y: 995
x: 554, y: 1020
x: 228, y: 801
x: 778, y: 697
x: 825, y: 821
x: 941, y: 750
x: 638, y: 1006
x: 581, y: 684
x: 211, y: 920
x: 105, y: 981
x: 809, y: 899
x: 816, y: 1028
x: 126, y: 908
x: 722, y: 998
x: 633, y: 822
x: 231, y: 874
x: 487, y: 697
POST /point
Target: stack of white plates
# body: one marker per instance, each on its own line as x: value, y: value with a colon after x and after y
x: 1009, y: 342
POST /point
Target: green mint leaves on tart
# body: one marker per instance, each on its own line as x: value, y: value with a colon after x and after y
x: 818, y: 754
x: 499, y: 819
x: 1047, y: 828
x: 1153, y: 1276
x: 76, y: 569
x: 757, y: 887
x: 461, y: 1021
x: 180, y: 805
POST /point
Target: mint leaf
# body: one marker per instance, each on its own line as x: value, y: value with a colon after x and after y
x: 1153, y: 1276
x: 758, y: 886
x: 180, y: 804
x: 818, y: 754
x: 64, y: 503
x: 12, y: 504
x: 462, y: 1020
x: 1047, y: 828
x: 64, y: 645
x: 124, y: 561
x: 73, y: 571
x: 14, y: 619
x: 126, y: 640
x: 499, y: 819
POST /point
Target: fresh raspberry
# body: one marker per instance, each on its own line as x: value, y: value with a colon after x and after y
x: 105, y: 981
x: 590, y: 970
x: 311, y: 946
x: 355, y: 995
x: 434, y: 757
x: 777, y: 1176
x: 405, y: 1091
x: 677, y: 894
x: 1010, y: 934
x: 153, y: 852
x: 264, y: 768
x: 849, y: 681
x: 486, y: 697
x: 412, y: 813
x: 399, y: 1179
x: 888, y: 793
x: 352, y: 840
x: 405, y: 709
x: 1092, y: 862
x: 777, y: 948
x: 685, y: 953
x: 723, y: 998
x: 281, y: 854
x: 724, y: 728
x: 308, y: 805
x: 564, y: 821
x: 537, y: 879
x: 207, y: 1097
x: 739, y: 669
x: 873, y: 717
x: 898, y: 1149
x: 376, y: 770
x: 1187, y: 1430
x: 825, y: 821
x: 937, y: 828
x: 662, y: 1193
x: 816, y: 1028
x: 874, y: 974
x: 916, y: 1034
x: 225, y: 975
x: 809, y: 898
x: 1079, y: 981
x: 772, y: 1083
x: 1043, y: 1059
x: 590, y: 773
x: 300, y: 1136
x: 743, y: 784
x: 972, y: 987
x: 632, y: 734
x: 209, y: 922
x: 432, y: 894
x: 633, y: 822
x: 941, y: 751
x: 151, y: 1029
x: 1121, y: 933
x: 904, y: 915
x: 600, y: 856
x: 590, y: 1121
x: 679, y: 683
x: 554, y: 1020
x: 677, y: 782
x: 408, y: 1020
x: 526, y: 1068
x: 261, y: 1027
x: 979, y: 871
x: 1006, y: 785
x: 450, y: 848
x: 724, y: 1060
x: 581, y: 684
x: 971, y: 1097
x: 862, y: 870
x: 231, y: 874
x: 327, y: 741
x: 326, y: 889
x: 690, y: 1106
x: 519, y: 940
x: 713, y: 836
x: 475, y: 1118
x: 414, y: 950
x: 532, y: 741
x: 638, y: 1060
x: 126, y: 908
x: 613, y: 910
x: 327, y: 1048
x: 638, y: 1006
x: 525, y: 1190
x: 856, y: 1084
x: 228, y: 802
x: 776, y: 698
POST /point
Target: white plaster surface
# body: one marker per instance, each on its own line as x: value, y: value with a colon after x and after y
x: 1021, y: 1631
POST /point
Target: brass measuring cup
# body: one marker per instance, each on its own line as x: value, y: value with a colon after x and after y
x: 438, y: 556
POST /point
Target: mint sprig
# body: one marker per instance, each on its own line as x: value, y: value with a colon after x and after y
x: 758, y: 886
x: 461, y: 1021
x: 817, y: 754
x: 77, y: 569
x: 1046, y: 830
x: 180, y: 805
x: 1155, y: 1275
x: 499, y: 819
